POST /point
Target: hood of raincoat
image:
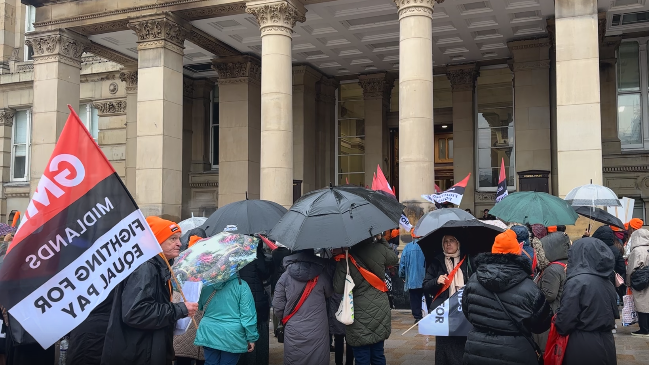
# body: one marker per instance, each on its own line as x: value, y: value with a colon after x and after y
x: 639, y: 238
x: 606, y: 235
x: 556, y: 246
x: 499, y: 272
x: 304, y: 266
x: 522, y: 234
x: 590, y: 256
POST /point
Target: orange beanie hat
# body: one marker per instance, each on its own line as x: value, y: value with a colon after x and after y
x: 506, y: 242
x: 162, y: 228
x: 636, y: 223
x: 193, y: 240
x: 552, y: 229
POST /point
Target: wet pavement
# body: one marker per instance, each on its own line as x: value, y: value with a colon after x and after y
x: 415, y: 349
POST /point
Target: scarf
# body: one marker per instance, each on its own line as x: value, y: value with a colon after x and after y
x: 451, y: 260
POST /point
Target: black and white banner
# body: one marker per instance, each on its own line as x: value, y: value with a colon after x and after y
x: 447, y: 319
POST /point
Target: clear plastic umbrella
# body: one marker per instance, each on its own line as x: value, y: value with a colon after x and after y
x: 592, y: 195
x: 191, y: 223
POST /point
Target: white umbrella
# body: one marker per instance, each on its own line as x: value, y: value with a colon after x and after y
x: 592, y: 195
x: 191, y: 223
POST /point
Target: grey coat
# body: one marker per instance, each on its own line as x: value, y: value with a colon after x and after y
x: 556, y: 246
x: 638, y: 257
x: 306, y: 334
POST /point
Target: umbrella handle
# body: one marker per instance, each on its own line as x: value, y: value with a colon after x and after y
x: 180, y: 289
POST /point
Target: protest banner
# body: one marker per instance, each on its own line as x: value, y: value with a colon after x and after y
x: 81, y: 235
x: 453, y: 195
x: 447, y: 319
x: 501, y: 191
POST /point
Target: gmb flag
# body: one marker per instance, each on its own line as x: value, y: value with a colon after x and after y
x: 453, y: 195
x: 81, y: 235
x: 447, y: 319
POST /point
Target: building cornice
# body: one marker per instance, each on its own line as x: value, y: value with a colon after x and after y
x: 111, y: 107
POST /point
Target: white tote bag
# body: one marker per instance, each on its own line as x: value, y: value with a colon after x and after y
x: 629, y: 314
x: 345, y: 313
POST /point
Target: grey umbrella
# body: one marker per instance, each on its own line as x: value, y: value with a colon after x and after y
x: 592, y: 195
x: 435, y: 219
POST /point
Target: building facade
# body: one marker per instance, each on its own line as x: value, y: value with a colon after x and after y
x: 199, y: 103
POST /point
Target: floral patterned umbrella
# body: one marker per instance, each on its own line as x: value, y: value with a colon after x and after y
x: 216, y: 259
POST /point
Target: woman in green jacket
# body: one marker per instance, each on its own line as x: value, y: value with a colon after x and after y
x: 229, y: 325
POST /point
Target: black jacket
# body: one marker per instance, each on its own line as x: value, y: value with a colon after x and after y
x: 588, y: 306
x: 255, y: 273
x: 553, y: 278
x: 606, y: 235
x: 140, y: 328
x: 495, y: 339
x: 436, y: 268
x: 87, y: 340
x: 278, y: 265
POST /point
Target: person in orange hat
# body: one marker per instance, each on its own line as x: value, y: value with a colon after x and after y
x: 634, y: 225
x: 140, y: 330
x: 500, y: 301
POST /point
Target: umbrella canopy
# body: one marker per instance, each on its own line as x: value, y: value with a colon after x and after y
x: 244, y: 217
x: 336, y: 217
x: 216, y: 259
x: 592, y: 195
x: 191, y: 223
x: 474, y: 237
x: 535, y: 208
x: 435, y: 219
x: 600, y: 215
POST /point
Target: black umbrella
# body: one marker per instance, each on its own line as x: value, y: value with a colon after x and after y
x: 336, y: 217
x: 474, y: 237
x: 599, y: 215
x: 244, y: 217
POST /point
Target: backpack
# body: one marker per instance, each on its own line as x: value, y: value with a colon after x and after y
x: 640, y: 279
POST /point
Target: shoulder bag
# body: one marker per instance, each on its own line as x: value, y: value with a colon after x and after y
x: 523, y: 331
x: 308, y: 288
x: 555, y: 349
x: 345, y: 312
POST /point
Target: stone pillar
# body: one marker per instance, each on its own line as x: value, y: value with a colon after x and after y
x: 57, y: 65
x: 276, y: 20
x: 326, y: 132
x: 201, y: 112
x: 112, y: 132
x: 416, y: 132
x: 239, y: 127
x: 129, y: 77
x: 188, y: 136
x: 532, y: 113
x: 12, y: 27
x: 6, y: 124
x: 304, y: 126
x: 463, y: 79
x: 608, y: 95
x: 579, y: 141
x: 159, y: 115
x: 376, y: 94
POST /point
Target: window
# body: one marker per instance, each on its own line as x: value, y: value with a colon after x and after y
x: 90, y: 118
x: 638, y: 209
x: 444, y: 148
x: 632, y: 95
x: 30, y: 18
x: 495, y: 134
x: 214, y: 129
x: 350, y: 134
x: 20, y: 146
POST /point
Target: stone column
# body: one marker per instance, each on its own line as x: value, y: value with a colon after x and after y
x: 463, y: 79
x: 579, y: 141
x: 325, y: 130
x: 201, y: 112
x: 416, y: 132
x: 129, y: 77
x: 304, y: 126
x: 532, y: 113
x: 112, y: 132
x: 276, y: 20
x: 188, y: 136
x: 57, y: 65
x: 159, y: 115
x: 376, y: 94
x: 6, y: 124
x: 239, y: 127
x: 608, y: 95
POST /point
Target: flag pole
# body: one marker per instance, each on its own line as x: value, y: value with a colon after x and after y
x: 180, y: 289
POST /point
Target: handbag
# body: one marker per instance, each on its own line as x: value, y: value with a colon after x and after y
x: 528, y: 337
x: 619, y: 281
x: 640, y: 279
x: 555, y: 349
x: 308, y: 288
x: 629, y: 314
x: 345, y: 312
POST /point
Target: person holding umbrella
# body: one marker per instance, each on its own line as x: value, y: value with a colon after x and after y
x: 442, y: 281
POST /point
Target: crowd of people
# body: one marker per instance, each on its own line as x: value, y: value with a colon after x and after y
x: 533, y: 275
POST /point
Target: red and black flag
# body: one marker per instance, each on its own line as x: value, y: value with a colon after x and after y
x: 453, y: 195
x: 80, y: 235
x: 501, y: 193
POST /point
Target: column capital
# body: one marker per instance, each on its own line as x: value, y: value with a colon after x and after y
x: 277, y: 16
x: 462, y: 77
x: 130, y: 78
x: 325, y: 89
x: 7, y: 117
x: 305, y: 75
x: 158, y: 31
x: 57, y: 46
x: 106, y: 108
x: 416, y: 7
x: 377, y: 86
x: 237, y: 69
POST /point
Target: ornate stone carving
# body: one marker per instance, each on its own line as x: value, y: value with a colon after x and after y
x: 110, y: 107
x: 416, y: 7
x: 278, y: 18
x: 130, y: 78
x: 188, y: 88
x: 325, y: 89
x: 376, y: 86
x: 244, y: 68
x: 7, y: 117
x: 113, y: 88
x: 462, y: 77
x: 25, y: 67
x: 156, y: 32
x: 56, y: 46
x: 481, y: 197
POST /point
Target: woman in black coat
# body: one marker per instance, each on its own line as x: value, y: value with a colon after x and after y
x: 588, y: 305
x: 495, y: 339
x: 606, y: 235
x: 448, y: 349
